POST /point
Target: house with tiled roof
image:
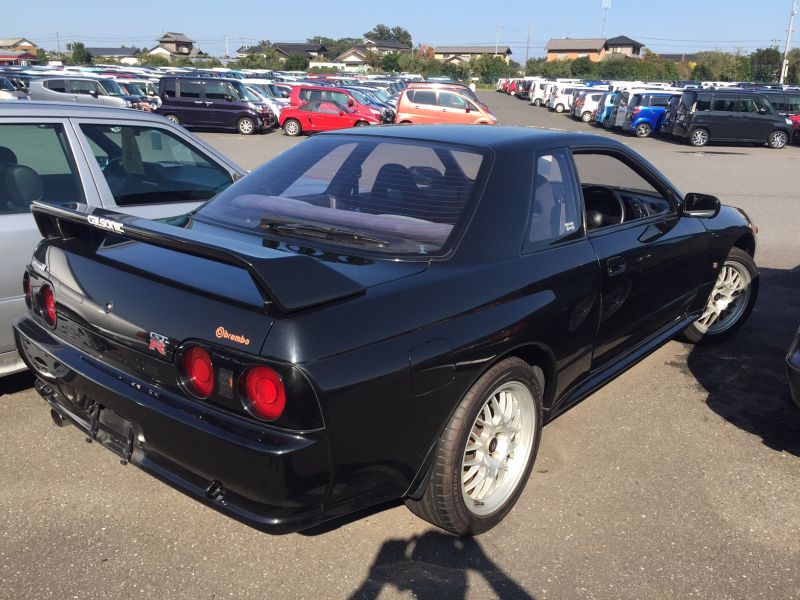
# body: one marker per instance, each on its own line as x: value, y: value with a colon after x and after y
x: 596, y: 49
x: 175, y: 45
x: 459, y: 54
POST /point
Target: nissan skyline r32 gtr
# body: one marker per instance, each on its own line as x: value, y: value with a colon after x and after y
x: 376, y: 314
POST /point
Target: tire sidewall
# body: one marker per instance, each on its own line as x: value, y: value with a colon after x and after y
x: 289, y: 123
x: 692, y: 141
x: 774, y: 147
x: 504, y: 372
x: 252, y: 126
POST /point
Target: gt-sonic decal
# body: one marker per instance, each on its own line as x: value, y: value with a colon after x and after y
x: 224, y: 334
x: 103, y: 223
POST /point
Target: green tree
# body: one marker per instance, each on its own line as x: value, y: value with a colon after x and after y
x: 153, y: 60
x: 396, y: 34
x: 765, y: 64
x: 582, y: 67
x: 41, y: 56
x: 334, y: 47
x: 390, y: 63
x: 268, y: 58
x: 490, y: 68
x: 79, y: 54
x: 702, y: 72
x: 295, y: 62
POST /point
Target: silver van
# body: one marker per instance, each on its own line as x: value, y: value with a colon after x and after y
x: 123, y: 160
x: 83, y: 90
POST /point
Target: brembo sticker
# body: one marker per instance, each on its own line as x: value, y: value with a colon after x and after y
x: 224, y: 334
x: 114, y: 226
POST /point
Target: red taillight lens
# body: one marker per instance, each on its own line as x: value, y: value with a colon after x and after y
x: 26, y: 286
x: 47, y: 302
x: 265, y: 394
x: 197, y: 371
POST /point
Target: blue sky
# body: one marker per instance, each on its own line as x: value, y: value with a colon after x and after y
x: 672, y: 26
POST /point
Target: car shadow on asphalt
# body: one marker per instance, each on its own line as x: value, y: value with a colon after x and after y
x: 745, y: 375
x: 11, y: 384
x: 435, y: 565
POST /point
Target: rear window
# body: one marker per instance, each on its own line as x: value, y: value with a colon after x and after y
x: 659, y: 101
x: 384, y: 196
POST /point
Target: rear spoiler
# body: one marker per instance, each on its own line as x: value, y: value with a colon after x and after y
x: 291, y: 282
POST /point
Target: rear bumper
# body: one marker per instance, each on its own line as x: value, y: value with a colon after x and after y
x: 793, y: 368
x: 270, y: 479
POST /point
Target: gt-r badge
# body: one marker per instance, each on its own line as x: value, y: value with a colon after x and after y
x: 158, y: 343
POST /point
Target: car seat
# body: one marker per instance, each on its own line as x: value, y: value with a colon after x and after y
x: 19, y: 186
x: 395, y: 192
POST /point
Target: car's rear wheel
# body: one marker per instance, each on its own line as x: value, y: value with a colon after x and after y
x: 643, y: 130
x: 586, y: 117
x: 174, y: 119
x: 559, y: 108
x: 361, y: 123
x: 537, y: 102
x: 730, y: 302
x: 246, y: 126
x: 292, y: 127
x: 405, y: 122
x: 699, y: 138
x: 486, y: 451
x: 778, y: 139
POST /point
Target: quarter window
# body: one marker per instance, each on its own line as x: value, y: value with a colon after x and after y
x: 36, y: 164
x: 149, y: 165
x: 554, y: 214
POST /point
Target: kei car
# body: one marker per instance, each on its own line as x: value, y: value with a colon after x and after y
x: 313, y: 117
x: 124, y: 160
x: 376, y: 314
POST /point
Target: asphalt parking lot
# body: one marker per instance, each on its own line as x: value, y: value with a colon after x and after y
x: 679, y: 479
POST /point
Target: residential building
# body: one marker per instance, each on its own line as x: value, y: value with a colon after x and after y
x: 175, y: 45
x: 310, y: 51
x: 596, y: 49
x: 459, y: 54
x: 359, y: 56
x: 124, y: 55
x: 16, y: 57
x: 19, y: 45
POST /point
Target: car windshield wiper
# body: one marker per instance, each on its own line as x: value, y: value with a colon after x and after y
x: 320, y: 231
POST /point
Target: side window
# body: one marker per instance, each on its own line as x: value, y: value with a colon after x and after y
x: 219, y: 91
x: 751, y: 105
x: 792, y: 104
x: 450, y: 100
x: 36, y: 164
x: 80, y: 86
x: 329, y: 108
x: 703, y: 102
x: 150, y: 165
x: 724, y: 105
x: 56, y: 85
x: 614, y: 192
x: 169, y: 88
x: 189, y: 89
x: 424, y: 97
x: 340, y: 98
x: 659, y: 101
x: 555, y: 213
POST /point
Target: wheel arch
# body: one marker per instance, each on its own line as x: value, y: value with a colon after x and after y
x: 746, y: 242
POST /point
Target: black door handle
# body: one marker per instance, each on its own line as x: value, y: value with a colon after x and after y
x: 616, y: 265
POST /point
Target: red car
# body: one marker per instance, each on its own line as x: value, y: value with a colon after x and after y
x: 322, y: 116
x: 301, y: 94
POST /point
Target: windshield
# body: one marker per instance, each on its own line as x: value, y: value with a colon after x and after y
x: 362, y: 98
x: 134, y: 89
x: 263, y: 89
x: 6, y: 85
x: 386, y: 196
x: 112, y: 87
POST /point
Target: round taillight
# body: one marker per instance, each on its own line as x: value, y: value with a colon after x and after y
x: 197, y: 371
x: 26, y: 286
x: 47, y: 302
x: 264, y: 391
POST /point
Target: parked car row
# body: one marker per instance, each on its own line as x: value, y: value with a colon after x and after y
x: 694, y: 114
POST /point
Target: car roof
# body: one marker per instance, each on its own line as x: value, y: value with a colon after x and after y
x: 484, y: 136
x: 32, y: 108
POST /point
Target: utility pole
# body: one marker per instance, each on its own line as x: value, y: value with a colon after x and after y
x: 58, y: 45
x: 528, y: 44
x: 789, y: 32
x: 497, y: 29
x: 606, y: 6
x: 227, y: 50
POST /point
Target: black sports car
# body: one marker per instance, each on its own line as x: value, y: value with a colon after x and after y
x: 375, y: 315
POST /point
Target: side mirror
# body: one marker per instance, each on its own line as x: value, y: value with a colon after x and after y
x: 350, y: 102
x: 762, y: 111
x: 93, y: 93
x: 700, y: 205
x: 467, y: 108
x: 341, y: 113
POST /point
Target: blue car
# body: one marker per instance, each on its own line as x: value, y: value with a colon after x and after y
x: 605, y: 107
x: 645, y: 113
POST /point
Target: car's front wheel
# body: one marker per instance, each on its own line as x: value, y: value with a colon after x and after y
x: 246, y: 126
x: 537, y: 102
x: 174, y: 119
x: 361, y: 123
x: 559, y: 108
x: 292, y: 127
x: 731, y: 300
x: 486, y: 451
x: 643, y: 130
x: 586, y: 117
x: 778, y: 139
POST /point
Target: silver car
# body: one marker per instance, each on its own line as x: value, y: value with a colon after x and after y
x: 81, y: 90
x: 124, y: 160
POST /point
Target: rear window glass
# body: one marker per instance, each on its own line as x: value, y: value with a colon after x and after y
x: 390, y: 197
x: 659, y: 101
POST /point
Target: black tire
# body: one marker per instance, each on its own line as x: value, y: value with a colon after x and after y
x: 174, y: 119
x: 696, y: 333
x: 559, y: 108
x: 361, y: 124
x: 246, y: 126
x: 699, y: 137
x: 643, y: 130
x: 537, y: 102
x: 442, y: 502
x: 778, y: 139
x: 586, y: 117
x: 292, y: 128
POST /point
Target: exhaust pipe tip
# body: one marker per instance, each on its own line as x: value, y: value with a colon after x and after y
x: 58, y: 418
